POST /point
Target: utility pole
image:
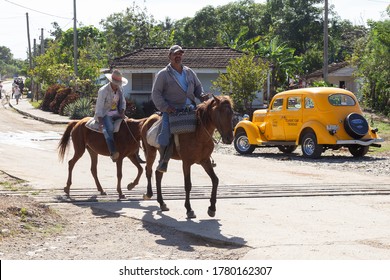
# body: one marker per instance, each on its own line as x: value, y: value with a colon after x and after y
x: 75, y: 39
x: 42, y: 42
x: 30, y: 57
x: 325, y: 74
x: 29, y: 44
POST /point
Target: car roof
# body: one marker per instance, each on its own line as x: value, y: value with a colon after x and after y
x: 315, y: 91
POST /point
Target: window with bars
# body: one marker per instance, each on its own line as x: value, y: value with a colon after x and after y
x: 142, y: 81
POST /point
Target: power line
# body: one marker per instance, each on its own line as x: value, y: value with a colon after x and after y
x: 36, y: 10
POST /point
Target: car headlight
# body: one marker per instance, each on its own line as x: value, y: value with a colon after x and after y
x: 332, y: 128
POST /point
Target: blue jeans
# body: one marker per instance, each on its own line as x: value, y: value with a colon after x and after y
x: 165, y: 133
x: 108, y: 131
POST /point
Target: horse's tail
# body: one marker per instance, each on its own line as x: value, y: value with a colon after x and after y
x: 65, y: 140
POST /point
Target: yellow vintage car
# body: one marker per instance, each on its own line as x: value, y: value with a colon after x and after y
x: 318, y: 119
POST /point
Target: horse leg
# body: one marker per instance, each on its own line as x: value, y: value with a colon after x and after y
x: 160, y: 199
x: 134, y: 159
x: 71, y: 163
x: 150, y: 158
x: 94, y: 161
x: 188, y: 187
x: 208, y: 167
x: 119, y: 178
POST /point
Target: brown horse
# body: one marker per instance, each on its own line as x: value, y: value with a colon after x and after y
x: 127, y: 141
x: 195, y: 147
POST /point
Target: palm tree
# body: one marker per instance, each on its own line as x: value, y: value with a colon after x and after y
x: 284, y: 64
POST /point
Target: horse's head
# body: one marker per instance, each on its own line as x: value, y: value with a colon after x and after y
x: 221, y: 115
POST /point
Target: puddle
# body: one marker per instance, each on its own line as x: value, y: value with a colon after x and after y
x: 30, y: 139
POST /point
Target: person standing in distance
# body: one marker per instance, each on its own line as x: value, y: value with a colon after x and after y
x: 175, y: 88
x: 110, y: 106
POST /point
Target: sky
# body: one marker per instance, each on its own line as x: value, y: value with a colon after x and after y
x: 41, y: 14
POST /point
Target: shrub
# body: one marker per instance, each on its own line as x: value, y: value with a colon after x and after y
x: 133, y: 110
x: 149, y: 108
x: 60, y: 96
x: 71, y: 98
x: 49, y: 97
x: 79, y: 109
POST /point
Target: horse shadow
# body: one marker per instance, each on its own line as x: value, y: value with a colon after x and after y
x: 169, y: 231
x: 205, y: 232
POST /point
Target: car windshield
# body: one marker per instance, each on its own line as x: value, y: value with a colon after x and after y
x: 340, y: 99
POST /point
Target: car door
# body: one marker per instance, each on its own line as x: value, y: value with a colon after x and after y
x: 292, y: 117
x: 276, y: 121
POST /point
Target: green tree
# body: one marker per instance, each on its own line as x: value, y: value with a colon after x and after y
x: 55, y: 66
x: 134, y: 29
x: 297, y: 23
x: 245, y: 76
x: 372, y: 57
x: 8, y: 65
x: 201, y: 30
x: 283, y: 63
x: 242, y: 15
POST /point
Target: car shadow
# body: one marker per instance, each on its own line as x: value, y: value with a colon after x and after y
x: 327, y: 157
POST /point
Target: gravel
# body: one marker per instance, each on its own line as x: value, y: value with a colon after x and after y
x: 373, y: 163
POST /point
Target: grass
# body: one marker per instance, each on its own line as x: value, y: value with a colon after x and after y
x: 15, y: 186
x: 36, y: 104
x: 383, y: 127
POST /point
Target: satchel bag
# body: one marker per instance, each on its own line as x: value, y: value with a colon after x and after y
x: 153, y: 132
x: 182, y: 122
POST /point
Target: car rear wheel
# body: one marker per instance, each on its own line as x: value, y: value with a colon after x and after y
x: 287, y: 149
x: 241, y: 144
x: 356, y: 125
x: 310, y: 148
x: 358, y: 150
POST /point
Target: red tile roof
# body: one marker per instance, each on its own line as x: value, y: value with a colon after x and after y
x: 193, y: 57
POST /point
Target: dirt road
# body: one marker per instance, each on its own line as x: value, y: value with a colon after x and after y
x: 28, y: 150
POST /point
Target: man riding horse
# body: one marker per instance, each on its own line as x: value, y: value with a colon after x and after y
x: 174, y: 89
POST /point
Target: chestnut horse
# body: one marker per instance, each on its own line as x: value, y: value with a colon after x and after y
x: 127, y: 141
x: 195, y: 147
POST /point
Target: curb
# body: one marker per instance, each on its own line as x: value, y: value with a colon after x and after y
x: 38, y: 118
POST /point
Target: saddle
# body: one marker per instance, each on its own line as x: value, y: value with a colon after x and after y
x: 92, y: 124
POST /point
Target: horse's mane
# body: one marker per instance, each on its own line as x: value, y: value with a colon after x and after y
x: 204, y: 109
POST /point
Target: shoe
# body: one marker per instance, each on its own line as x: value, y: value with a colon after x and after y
x: 114, y: 156
x: 162, y: 167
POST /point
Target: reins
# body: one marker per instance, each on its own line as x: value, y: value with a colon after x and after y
x: 208, y: 133
x: 132, y: 135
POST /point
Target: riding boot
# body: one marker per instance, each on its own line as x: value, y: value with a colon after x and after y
x: 165, y: 155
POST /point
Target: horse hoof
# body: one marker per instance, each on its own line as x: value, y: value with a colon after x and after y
x: 66, y: 190
x: 164, y: 207
x: 191, y: 215
x: 146, y: 196
x: 211, y: 213
x: 130, y: 186
x: 122, y: 196
x: 103, y: 193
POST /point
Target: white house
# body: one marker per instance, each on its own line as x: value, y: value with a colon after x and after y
x: 340, y: 75
x: 141, y: 66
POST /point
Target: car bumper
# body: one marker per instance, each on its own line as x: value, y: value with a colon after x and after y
x: 360, y: 142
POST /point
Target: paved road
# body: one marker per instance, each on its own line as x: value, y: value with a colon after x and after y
x: 294, y: 212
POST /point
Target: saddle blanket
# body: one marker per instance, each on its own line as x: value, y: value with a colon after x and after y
x: 92, y: 124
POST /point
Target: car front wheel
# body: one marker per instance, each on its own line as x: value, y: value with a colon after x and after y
x: 241, y: 144
x: 358, y: 150
x: 310, y: 147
